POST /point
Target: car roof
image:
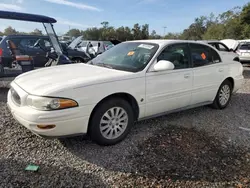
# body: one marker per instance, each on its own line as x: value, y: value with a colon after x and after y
x: 210, y: 41
x: 169, y: 41
x: 26, y: 17
x: 21, y: 36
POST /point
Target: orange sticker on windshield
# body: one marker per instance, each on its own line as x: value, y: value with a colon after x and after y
x: 203, y: 56
x: 130, y: 53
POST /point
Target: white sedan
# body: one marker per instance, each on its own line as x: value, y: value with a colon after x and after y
x: 132, y: 81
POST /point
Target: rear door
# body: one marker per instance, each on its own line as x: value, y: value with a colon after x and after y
x: 208, y: 72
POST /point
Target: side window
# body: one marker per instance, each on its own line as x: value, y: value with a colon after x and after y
x: 177, y: 54
x: 203, y: 55
x: 214, y: 45
x: 16, y: 41
x: 24, y: 43
x: 27, y: 42
x: 47, y: 43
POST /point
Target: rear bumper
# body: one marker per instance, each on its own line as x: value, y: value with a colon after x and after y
x: 238, y: 82
x: 244, y: 59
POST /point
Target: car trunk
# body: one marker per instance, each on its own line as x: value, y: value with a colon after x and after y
x: 244, y: 50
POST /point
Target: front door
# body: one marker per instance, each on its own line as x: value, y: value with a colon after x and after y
x: 170, y: 90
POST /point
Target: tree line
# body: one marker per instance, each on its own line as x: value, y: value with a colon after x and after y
x: 11, y: 31
x: 234, y: 23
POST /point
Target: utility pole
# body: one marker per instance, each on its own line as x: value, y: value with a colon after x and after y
x: 164, y: 31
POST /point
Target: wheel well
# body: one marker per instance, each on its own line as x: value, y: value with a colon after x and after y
x: 236, y: 59
x: 129, y: 98
x: 230, y: 79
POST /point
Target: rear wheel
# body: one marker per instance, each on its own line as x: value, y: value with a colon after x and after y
x: 1, y: 70
x: 223, y: 96
x: 111, y: 122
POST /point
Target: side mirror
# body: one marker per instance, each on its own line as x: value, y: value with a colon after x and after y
x: 163, y: 65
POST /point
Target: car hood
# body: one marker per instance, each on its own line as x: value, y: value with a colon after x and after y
x: 50, y: 80
x: 230, y: 43
x: 76, y: 41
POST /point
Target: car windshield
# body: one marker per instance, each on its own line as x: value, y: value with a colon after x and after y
x: 127, y: 56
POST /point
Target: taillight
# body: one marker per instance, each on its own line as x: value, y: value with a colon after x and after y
x: 1, y: 51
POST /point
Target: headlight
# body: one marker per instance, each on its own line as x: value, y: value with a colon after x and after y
x: 49, y: 103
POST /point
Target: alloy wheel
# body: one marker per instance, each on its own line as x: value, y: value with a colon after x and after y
x: 113, y: 123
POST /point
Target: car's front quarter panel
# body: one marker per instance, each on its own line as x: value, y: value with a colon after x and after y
x: 89, y: 96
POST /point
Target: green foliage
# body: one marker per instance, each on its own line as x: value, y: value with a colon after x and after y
x: 107, y: 32
x: 10, y: 31
x: 74, y: 33
x: 36, y: 32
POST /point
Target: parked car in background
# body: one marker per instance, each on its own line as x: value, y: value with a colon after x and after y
x: 81, y: 44
x: 223, y: 49
x: 25, y: 43
x: 243, y: 51
x: 132, y: 81
x: 65, y: 42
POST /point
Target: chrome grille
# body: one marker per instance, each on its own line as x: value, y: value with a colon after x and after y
x: 15, y: 97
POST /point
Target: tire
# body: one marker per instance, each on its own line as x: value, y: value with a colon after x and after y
x: 225, y: 87
x: 1, y: 70
x: 102, y: 117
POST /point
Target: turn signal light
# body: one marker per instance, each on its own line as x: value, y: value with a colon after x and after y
x: 46, y: 126
x: 66, y: 103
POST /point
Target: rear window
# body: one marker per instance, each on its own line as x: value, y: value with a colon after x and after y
x: 94, y: 43
x: 245, y: 47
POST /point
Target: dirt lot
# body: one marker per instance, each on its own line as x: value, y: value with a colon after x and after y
x: 201, y: 147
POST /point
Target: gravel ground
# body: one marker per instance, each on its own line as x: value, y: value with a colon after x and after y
x: 201, y: 147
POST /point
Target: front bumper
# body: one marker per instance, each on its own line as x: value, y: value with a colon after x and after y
x: 73, y: 121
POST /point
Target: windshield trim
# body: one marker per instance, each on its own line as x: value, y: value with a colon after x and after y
x: 52, y: 42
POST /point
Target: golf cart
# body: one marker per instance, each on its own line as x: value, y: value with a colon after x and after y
x: 22, y: 62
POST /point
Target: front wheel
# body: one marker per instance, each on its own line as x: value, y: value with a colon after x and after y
x: 111, y: 121
x: 223, y: 96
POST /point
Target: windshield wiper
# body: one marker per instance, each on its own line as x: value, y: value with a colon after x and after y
x: 104, y: 65
x: 99, y: 64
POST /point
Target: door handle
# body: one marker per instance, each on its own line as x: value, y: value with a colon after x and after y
x: 186, y: 75
x: 221, y: 70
